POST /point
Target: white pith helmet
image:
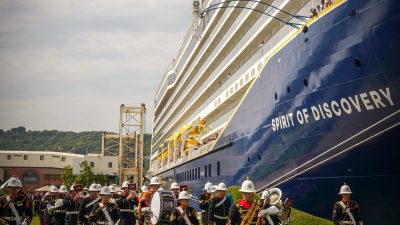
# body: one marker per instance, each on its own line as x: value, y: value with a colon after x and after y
x: 174, y: 185
x: 99, y: 187
x: 63, y: 189
x: 58, y: 202
x: 72, y: 187
x: 221, y: 187
x: 112, y: 189
x: 247, y: 186
x: 19, y: 183
x: 105, y: 191
x: 345, y: 189
x: 265, y: 195
x: 183, y: 195
x: 125, y: 184
x: 93, y: 187
x: 207, y: 186
x: 54, y: 189
x: 144, y: 189
x: 13, y: 182
x: 155, y: 181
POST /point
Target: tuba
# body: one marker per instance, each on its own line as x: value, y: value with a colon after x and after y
x: 284, y: 208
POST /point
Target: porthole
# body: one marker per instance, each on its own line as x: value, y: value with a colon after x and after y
x: 305, y: 81
x: 276, y: 96
x: 288, y: 89
x: 357, y: 62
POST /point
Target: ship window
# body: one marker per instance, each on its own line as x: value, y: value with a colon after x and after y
x: 190, y: 175
x: 209, y: 170
x: 25, y: 157
x: 227, y: 94
x: 205, y: 171
x: 198, y: 172
x: 253, y: 72
x: 276, y: 96
x: 9, y: 157
x: 42, y: 157
x: 247, y: 77
x: 193, y: 174
x: 185, y: 175
x: 357, y: 62
x: 231, y: 90
x: 288, y: 89
x: 91, y: 164
x: 219, y: 101
x: 241, y: 82
x: 236, y: 86
x: 219, y: 168
x: 305, y: 82
x: 259, y: 67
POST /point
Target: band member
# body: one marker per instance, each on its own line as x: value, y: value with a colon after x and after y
x: 204, y: 199
x: 71, y: 204
x: 127, y: 203
x: 104, y: 212
x: 143, y: 209
x: 36, y: 203
x: 87, y: 204
x: 57, y: 209
x: 269, y: 213
x: 218, y: 209
x: 16, y: 207
x: 155, y: 184
x: 346, y: 211
x: 183, y: 214
x: 175, y: 189
x: 48, y: 213
x: 43, y: 208
x: 238, y: 213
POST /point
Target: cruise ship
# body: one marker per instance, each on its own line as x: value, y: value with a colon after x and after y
x: 298, y: 101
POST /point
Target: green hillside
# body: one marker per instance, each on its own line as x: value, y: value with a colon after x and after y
x: 61, y: 141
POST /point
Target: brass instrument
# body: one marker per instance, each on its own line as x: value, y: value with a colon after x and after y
x: 3, y: 222
x: 251, y: 213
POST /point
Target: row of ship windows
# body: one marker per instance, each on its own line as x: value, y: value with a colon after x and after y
x: 238, y: 84
x: 195, y: 174
x: 357, y: 63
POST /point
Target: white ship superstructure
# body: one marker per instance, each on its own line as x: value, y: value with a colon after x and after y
x: 225, y: 49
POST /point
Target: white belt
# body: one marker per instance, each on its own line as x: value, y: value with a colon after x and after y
x: 9, y: 218
x: 127, y: 210
x: 59, y: 211
x: 101, y: 222
x: 221, y: 217
x: 347, y: 222
x: 72, y: 212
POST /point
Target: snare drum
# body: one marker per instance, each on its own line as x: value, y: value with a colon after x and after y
x: 162, y: 205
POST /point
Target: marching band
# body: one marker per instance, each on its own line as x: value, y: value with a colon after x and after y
x: 154, y: 205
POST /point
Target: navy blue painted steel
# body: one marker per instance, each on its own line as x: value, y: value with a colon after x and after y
x: 345, y: 56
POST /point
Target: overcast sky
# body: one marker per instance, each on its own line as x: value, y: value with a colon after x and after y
x: 69, y: 64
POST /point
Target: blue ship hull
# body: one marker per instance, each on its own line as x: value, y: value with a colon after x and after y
x: 324, y: 111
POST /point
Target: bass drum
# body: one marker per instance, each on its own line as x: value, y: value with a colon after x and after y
x: 162, y: 205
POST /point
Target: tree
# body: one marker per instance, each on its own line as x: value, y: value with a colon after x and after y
x: 86, y: 176
x: 67, y: 176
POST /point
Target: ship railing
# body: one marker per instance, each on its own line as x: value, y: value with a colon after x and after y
x: 193, y: 153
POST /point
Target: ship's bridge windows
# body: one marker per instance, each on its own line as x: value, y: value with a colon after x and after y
x: 198, y: 172
x: 205, y: 171
x: 241, y: 82
x: 236, y: 86
x: 209, y: 170
x: 227, y: 94
x: 219, y: 168
x: 231, y: 90
x: 247, y: 77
